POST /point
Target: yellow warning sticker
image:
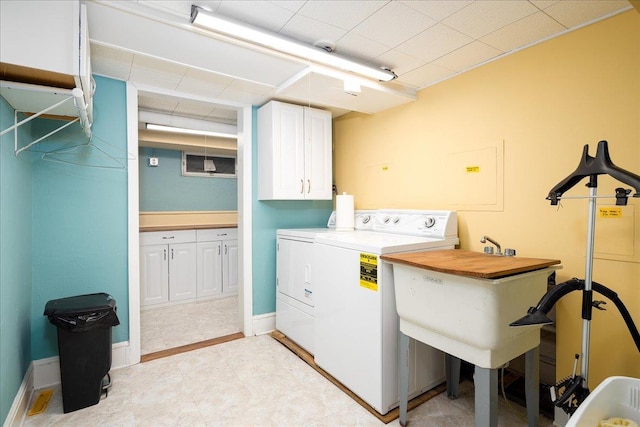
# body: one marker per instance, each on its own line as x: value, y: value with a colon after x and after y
x: 41, y: 402
x: 369, y: 271
x: 473, y: 169
x: 610, y: 212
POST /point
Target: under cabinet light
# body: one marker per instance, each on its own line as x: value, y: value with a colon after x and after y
x: 163, y: 128
x: 263, y: 38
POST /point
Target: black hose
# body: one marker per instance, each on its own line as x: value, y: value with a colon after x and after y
x: 551, y: 298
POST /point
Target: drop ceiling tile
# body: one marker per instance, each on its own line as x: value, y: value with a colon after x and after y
x: 426, y: 75
x: 309, y: 30
x: 198, y: 110
x: 437, y: 9
x: 156, y: 72
x: 357, y: 46
x: 328, y: 91
x: 175, y: 7
x: 245, y: 92
x: 543, y: 4
x: 577, y: 12
x: 393, y: 24
x: 527, y: 30
x: 223, y: 115
x: 468, y: 56
x: 111, y: 62
x: 483, y: 17
x: 263, y: 14
x: 344, y: 14
x: 434, y: 43
x: 399, y: 62
x: 291, y: 5
x: 203, y: 83
x: 157, y: 103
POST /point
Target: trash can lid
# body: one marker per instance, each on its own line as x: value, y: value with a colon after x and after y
x: 80, y: 304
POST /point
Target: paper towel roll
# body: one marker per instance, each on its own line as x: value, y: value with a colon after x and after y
x: 345, y: 216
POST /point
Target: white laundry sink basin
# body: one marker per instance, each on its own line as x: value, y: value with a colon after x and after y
x: 467, y: 317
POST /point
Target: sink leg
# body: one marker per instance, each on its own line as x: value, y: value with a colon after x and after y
x: 532, y: 385
x: 486, y: 397
x: 452, y: 368
x: 403, y: 380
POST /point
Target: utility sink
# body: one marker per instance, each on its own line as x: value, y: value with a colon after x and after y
x: 462, y: 302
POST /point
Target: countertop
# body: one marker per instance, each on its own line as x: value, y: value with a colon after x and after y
x: 186, y: 227
x: 469, y: 263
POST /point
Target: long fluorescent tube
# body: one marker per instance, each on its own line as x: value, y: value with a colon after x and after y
x: 259, y: 37
x: 163, y: 128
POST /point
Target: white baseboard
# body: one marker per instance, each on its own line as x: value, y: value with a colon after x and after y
x: 20, y: 404
x: 46, y: 373
x: 264, y: 323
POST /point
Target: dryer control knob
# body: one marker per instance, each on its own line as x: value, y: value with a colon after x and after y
x: 429, y: 222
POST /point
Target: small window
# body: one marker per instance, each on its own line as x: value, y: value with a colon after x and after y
x: 197, y: 164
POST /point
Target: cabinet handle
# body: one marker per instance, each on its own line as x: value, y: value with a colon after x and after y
x: 165, y: 254
x: 168, y: 237
x: 222, y: 234
x: 301, y: 186
x: 171, y: 253
x: 225, y: 249
x: 308, y: 186
x: 218, y: 250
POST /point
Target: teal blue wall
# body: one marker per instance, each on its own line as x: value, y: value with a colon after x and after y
x: 163, y: 188
x: 79, y: 220
x: 268, y: 217
x: 15, y: 262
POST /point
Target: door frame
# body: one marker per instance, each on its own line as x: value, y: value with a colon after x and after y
x: 244, y: 158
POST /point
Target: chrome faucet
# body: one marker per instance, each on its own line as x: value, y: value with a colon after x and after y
x: 489, y: 249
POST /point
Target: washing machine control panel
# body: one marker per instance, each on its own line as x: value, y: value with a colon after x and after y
x: 436, y: 224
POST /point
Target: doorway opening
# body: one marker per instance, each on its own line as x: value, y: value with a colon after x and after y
x: 199, y: 321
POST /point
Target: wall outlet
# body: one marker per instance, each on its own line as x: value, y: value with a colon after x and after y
x: 153, y: 161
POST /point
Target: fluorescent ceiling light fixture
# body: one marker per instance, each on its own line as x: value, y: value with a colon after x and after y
x: 163, y: 128
x: 263, y: 38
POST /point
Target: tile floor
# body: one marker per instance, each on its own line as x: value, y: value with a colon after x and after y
x: 252, y: 381
x: 175, y: 325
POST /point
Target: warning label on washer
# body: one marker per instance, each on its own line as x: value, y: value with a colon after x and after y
x: 369, y: 271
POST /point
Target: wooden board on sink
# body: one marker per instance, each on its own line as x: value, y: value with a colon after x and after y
x: 469, y: 263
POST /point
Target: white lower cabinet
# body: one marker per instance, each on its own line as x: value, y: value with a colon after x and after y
x: 154, y: 275
x: 187, y: 264
x: 217, y: 262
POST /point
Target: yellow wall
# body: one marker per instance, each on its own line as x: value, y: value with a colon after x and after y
x: 532, y: 112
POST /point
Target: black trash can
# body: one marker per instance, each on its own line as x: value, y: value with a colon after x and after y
x: 84, y: 344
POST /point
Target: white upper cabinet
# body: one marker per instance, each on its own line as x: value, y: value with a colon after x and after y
x: 294, y: 153
x: 46, y: 43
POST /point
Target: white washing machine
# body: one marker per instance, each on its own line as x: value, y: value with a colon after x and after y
x: 356, y: 323
x: 294, y: 272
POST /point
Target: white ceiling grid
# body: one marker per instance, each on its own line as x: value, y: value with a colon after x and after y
x: 423, y: 41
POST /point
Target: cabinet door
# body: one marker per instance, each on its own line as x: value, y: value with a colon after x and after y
x: 293, y: 270
x: 230, y: 266
x: 182, y: 271
x: 280, y: 151
x: 154, y: 274
x: 209, y: 269
x: 318, y: 155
